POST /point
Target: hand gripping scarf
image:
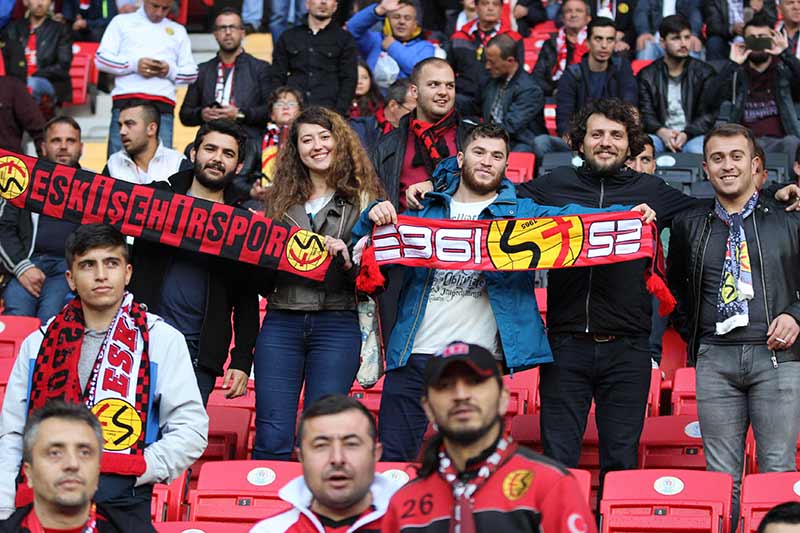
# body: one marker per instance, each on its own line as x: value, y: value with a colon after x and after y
x: 736, y: 285
x: 430, y: 145
x: 579, y: 50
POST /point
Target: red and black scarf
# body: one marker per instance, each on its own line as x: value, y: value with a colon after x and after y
x: 430, y: 145
x: 383, y: 123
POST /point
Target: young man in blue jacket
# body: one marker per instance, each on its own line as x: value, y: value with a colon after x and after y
x: 495, y: 309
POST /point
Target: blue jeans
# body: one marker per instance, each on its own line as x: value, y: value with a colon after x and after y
x: 40, y: 87
x: 283, y: 12
x: 319, y: 348
x: 544, y: 144
x: 55, y: 291
x: 737, y: 386
x: 692, y: 146
x: 402, y: 422
x: 164, y: 132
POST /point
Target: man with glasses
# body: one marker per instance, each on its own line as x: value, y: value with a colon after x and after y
x: 233, y: 85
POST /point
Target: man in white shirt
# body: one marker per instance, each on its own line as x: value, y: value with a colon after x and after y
x: 149, y: 55
x: 143, y: 158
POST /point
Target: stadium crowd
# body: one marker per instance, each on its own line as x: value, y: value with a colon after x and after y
x: 369, y: 111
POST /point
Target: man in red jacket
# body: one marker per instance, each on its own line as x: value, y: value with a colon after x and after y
x: 473, y: 478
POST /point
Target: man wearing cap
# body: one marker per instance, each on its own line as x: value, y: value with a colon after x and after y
x: 473, y: 478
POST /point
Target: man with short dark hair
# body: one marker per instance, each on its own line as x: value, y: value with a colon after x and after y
x: 674, y: 92
x: 143, y: 158
x: 565, y: 48
x: 474, y: 477
x: 725, y: 21
x: 398, y: 102
x: 647, y: 18
x: 645, y: 161
x: 783, y: 518
x: 140, y: 374
x: 337, y: 444
x: 198, y: 293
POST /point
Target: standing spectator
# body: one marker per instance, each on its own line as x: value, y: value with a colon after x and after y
x: 319, y: 59
x: 439, y: 16
x: 104, y: 332
x: 528, y: 14
x: 311, y: 334
x: 512, y: 99
x: 790, y: 10
x: 399, y: 103
x: 337, y: 444
x: 759, y: 89
x: 89, y: 19
x: 726, y: 19
x: 674, y: 92
x: 647, y: 20
x: 565, y: 48
x: 733, y: 270
x: 149, y: 55
x: 32, y: 245
x: 196, y: 293
x: 783, y: 518
x: 392, y: 52
x: 466, y: 53
x: 18, y: 114
x: 281, y: 14
x: 39, y: 49
x: 285, y: 106
x: 143, y: 157
x: 234, y: 85
x: 368, y: 100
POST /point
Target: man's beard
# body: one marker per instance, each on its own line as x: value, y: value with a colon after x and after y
x: 468, y: 175
x: 758, y: 58
x: 610, y: 167
x: 209, y: 183
x: 465, y: 437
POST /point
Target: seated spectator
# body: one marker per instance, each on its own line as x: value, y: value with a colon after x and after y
x: 563, y: 49
x: 621, y: 12
x: 392, y: 52
x: 233, y: 85
x: 674, y: 92
x: 647, y: 19
x: 399, y: 103
x: 512, y: 99
x: 466, y: 54
x: 89, y: 19
x: 467, y: 14
x: 39, y: 50
x: 528, y: 14
x: 758, y: 89
x: 19, y: 114
x: 337, y: 444
x: 319, y: 59
x: 32, y: 248
x: 285, y: 104
x: 725, y: 20
x: 143, y: 158
x: 790, y: 10
x: 645, y: 161
x: 783, y: 518
x: 61, y: 449
x: 368, y: 100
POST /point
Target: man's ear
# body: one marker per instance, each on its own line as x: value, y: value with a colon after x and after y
x: 26, y: 467
x: 460, y: 159
x: 152, y: 129
x: 239, y: 167
x: 192, y: 154
x: 299, y: 453
x: 378, y: 452
x: 427, y: 408
x: 70, y: 280
x: 502, y: 405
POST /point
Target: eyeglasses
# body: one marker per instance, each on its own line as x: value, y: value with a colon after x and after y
x: 286, y: 104
x: 228, y: 28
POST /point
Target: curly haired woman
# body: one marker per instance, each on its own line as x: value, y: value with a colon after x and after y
x: 323, y: 179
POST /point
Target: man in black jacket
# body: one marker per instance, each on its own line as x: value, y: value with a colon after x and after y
x: 733, y: 269
x: 196, y: 293
x: 565, y: 48
x: 725, y: 20
x: 319, y: 59
x: 233, y: 85
x: 647, y: 19
x: 674, y: 92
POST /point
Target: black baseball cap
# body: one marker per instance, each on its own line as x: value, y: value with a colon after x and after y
x: 477, y: 358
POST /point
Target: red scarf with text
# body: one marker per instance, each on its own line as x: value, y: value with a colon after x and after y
x: 579, y: 49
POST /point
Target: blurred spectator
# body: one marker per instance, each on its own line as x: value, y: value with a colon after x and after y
x: 399, y: 103
x: 674, y: 92
x: 143, y: 157
x: 32, y: 245
x: 89, y: 19
x: 319, y: 59
x: 621, y: 12
x: 311, y: 333
x: 466, y: 54
x: 783, y: 518
x: 368, y: 99
x: 528, y: 14
x: 758, y: 89
x: 647, y: 19
x: 149, y: 55
x: 439, y: 16
x: 467, y: 14
x: 392, y: 52
x: 790, y: 10
x: 18, y: 113
x: 281, y: 14
x: 725, y: 20
x: 198, y: 293
x: 336, y: 438
x: 432, y: 132
x: 6, y: 9
x: 234, y: 85
x: 285, y: 105
x: 563, y: 49
x: 512, y: 99
x: 39, y: 50
x: 645, y: 161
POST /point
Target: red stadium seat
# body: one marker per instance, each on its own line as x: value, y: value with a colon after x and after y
x: 674, y: 501
x: 240, y: 491
x: 548, y: 26
x: 673, y: 356
x: 2, y: 66
x: 227, y: 433
x: 638, y: 64
x: 201, y: 527
x: 654, y: 396
x: 248, y: 401
x: 525, y: 429
x: 671, y: 442
x: 79, y: 73
x: 13, y: 330
x: 761, y: 492
x: 6, y: 364
x: 550, y: 119
x: 520, y: 167
x: 541, y: 300
x: 88, y: 49
x: 524, y: 387
x: 532, y: 46
x: 684, y: 392
x: 584, y: 479
x: 370, y: 398
x: 168, y: 499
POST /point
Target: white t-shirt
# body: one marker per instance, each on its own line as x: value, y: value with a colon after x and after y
x: 458, y: 305
x: 667, y: 8
x: 676, y: 118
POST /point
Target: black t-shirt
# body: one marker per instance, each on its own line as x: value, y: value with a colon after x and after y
x: 713, y: 259
x: 184, y: 293
x: 597, y: 84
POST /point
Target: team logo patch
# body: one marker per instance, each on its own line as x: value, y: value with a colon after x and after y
x: 305, y: 251
x: 14, y: 177
x: 170, y: 31
x: 577, y: 524
x: 517, y: 483
x: 122, y: 425
x: 536, y: 243
x: 623, y: 8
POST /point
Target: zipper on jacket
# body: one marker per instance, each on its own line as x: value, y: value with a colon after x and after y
x: 591, y: 270
x: 699, y: 278
x: 764, y: 285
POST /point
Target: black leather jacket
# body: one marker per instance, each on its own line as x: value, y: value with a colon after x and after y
x: 777, y: 234
x: 715, y: 13
x: 695, y: 83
